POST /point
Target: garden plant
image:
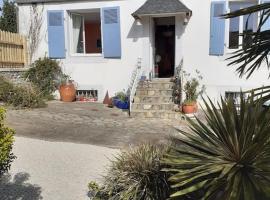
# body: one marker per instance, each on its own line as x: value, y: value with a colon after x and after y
x: 6, y: 143
x: 226, y: 158
x: 20, y: 96
x: 46, y: 74
x: 134, y: 174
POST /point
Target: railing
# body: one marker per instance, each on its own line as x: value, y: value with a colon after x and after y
x: 136, y: 75
x: 13, y: 50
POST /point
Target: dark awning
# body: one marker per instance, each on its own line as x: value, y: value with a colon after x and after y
x: 157, y: 7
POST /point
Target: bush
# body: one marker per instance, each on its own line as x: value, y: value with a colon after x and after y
x: 122, y: 96
x: 6, y: 142
x: 226, y: 158
x: 20, y: 96
x: 134, y: 175
x: 45, y: 74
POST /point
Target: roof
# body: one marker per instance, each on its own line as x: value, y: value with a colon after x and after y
x: 41, y: 1
x: 153, y: 7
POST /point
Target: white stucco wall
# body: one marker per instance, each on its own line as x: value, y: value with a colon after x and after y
x: 192, y: 43
x: 218, y: 77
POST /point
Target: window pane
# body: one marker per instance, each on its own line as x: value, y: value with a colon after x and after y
x: 234, y: 28
x: 78, y: 44
x: 93, y: 42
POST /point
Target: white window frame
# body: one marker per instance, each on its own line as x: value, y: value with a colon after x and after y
x: 71, y: 38
x: 241, y: 25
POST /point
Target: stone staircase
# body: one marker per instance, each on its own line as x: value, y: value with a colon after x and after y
x: 153, y: 99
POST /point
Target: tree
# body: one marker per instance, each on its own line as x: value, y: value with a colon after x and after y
x: 8, y: 20
x: 251, y: 57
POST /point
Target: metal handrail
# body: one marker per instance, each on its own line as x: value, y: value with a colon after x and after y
x: 136, y: 76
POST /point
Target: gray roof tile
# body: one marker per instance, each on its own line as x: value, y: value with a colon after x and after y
x: 42, y: 1
x: 152, y: 7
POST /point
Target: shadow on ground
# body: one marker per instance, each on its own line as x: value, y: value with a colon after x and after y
x: 18, y: 188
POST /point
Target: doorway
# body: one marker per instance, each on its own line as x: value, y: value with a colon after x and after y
x: 164, y: 56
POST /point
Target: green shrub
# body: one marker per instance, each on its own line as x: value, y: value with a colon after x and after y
x: 121, y: 96
x: 20, y: 96
x: 45, y: 74
x: 135, y: 174
x: 6, y: 142
x: 226, y: 158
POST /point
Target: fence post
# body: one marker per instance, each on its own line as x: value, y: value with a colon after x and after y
x: 25, y: 50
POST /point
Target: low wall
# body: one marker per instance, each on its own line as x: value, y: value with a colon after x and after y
x: 14, y: 75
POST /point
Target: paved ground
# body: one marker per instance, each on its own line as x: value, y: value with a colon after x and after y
x: 53, y: 170
x: 88, y: 123
x: 55, y: 158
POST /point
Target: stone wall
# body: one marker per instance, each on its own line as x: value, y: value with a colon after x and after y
x: 14, y: 75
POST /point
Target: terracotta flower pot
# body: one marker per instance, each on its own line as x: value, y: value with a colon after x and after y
x: 190, y: 108
x: 67, y: 92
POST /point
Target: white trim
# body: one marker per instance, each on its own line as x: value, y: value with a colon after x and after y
x: 241, y: 26
x: 86, y: 55
x: 70, y: 22
x: 163, y: 14
x: 152, y: 43
x: 84, y: 41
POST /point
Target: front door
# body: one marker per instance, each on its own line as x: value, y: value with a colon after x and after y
x: 164, y: 47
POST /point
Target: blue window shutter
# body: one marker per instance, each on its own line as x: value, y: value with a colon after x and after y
x: 266, y: 25
x: 217, y: 28
x: 56, y: 34
x: 111, y: 33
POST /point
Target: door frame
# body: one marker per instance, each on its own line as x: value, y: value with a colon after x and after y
x: 153, y: 44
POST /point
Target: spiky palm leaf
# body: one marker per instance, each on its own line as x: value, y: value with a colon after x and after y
x: 228, y: 157
x: 250, y: 57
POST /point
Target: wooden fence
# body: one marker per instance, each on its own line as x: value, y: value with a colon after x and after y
x: 13, y: 50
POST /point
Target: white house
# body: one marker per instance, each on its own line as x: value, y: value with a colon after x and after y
x: 99, y: 42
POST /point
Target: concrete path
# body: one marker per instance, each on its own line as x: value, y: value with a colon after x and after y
x: 53, y: 170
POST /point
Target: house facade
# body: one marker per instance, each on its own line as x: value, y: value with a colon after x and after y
x: 100, y: 42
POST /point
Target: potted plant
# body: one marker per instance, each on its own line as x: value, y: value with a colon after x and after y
x: 67, y: 89
x: 192, y: 90
x: 121, y: 100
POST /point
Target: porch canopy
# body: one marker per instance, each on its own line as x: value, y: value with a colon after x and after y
x: 160, y: 7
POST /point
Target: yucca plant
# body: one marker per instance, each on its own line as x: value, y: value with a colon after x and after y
x: 135, y: 175
x: 227, y: 157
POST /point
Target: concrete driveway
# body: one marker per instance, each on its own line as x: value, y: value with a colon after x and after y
x: 88, y: 123
x: 63, y: 147
x: 53, y: 170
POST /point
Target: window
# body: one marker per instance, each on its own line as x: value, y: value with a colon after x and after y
x: 86, y: 32
x: 236, y: 96
x: 241, y: 25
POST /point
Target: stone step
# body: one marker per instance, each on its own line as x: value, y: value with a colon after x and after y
x: 155, y: 85
x: 153, y: 106
x: 156, y: 114
x: 153, y: 99
x: 162, y: 80
x: 154, y: 92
